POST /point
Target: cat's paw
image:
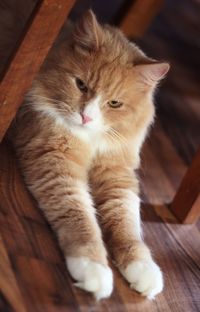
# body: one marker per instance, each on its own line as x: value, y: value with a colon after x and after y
x: 145, y: 277
x: 91, y: 276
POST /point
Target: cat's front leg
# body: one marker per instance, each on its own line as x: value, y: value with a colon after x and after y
x: 119, y: 209
x: 85, y: 253
x: 59, y: 184
x: 136, y: 263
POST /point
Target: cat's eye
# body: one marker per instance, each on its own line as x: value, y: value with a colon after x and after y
x: 81, y: 85
x: 115, y: 104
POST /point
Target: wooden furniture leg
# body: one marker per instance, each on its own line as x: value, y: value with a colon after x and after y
x: 186, y: 204
x: 138, y: 17
x: 46, y: 23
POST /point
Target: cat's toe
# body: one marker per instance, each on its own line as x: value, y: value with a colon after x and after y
x: 145, y: 277
x: 91, y: 276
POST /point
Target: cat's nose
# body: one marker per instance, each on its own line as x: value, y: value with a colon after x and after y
x: 85, y: 118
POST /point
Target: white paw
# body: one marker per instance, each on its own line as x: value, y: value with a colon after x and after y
x: 91, y: 276
x: 145, y: 277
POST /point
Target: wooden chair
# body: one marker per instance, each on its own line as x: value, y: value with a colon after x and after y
x: 40, y: 34
x: 138, y: 16
x: 186, y: 204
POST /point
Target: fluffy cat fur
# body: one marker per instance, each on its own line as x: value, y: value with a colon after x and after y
x: 78, y: 153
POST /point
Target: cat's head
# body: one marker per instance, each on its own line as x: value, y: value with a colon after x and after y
x: 98, y: 81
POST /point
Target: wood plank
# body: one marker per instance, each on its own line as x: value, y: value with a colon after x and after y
x: 8, y: 285
x: 45, y: 25
x: 178, y: 256
x: 177, y: 99
x: 13, y: 21
x: 162, y: 169
x: 186, y: 204
x: 139, y: 16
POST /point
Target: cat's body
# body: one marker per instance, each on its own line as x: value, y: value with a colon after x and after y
x: 78, y: 137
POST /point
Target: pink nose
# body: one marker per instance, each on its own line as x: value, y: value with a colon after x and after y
x: 85, y: 118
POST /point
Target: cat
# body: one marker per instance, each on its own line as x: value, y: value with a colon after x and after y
x: 78, y: 137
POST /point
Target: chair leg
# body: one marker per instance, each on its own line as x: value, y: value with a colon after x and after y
x: 139, y: 16
x: 186, y: 204
x: 40, y: 35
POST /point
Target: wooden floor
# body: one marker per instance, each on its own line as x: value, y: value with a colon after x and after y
x: 33, y: 276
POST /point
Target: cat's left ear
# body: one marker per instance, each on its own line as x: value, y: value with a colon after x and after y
x: 88, y: 32
x: 152, y: 73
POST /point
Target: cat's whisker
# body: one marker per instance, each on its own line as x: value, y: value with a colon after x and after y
x: 67, y: 109
x: 115, y: 140
x: 118, y: 139
x: 111, y: 136
x: 49, y: 99
x: 117, y: 135
x: 30, y: 104
x: 63, y: 109
x: 52, y: 100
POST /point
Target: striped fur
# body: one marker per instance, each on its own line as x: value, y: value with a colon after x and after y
x: 82, y: 175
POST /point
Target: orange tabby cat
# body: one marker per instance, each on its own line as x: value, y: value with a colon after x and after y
x: 78, y: 137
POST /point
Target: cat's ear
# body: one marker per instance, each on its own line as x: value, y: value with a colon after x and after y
x: 88, y: 33
x: 152, y: 73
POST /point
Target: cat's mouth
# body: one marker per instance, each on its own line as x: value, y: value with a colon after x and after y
x: 85, y: 118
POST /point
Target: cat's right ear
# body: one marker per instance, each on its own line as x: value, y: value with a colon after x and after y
x: 87, y: 33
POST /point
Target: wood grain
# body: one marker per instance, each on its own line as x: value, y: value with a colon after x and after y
x: 138, y: 17
x: 173, y: 37
x: 35, y: 262
x: 41, y: 32
x: 178, y: 102
x: 161, y: 181
x: 8, y: 285
x: 186, y: 204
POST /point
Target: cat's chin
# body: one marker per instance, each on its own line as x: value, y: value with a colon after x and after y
x: 84, y: 129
